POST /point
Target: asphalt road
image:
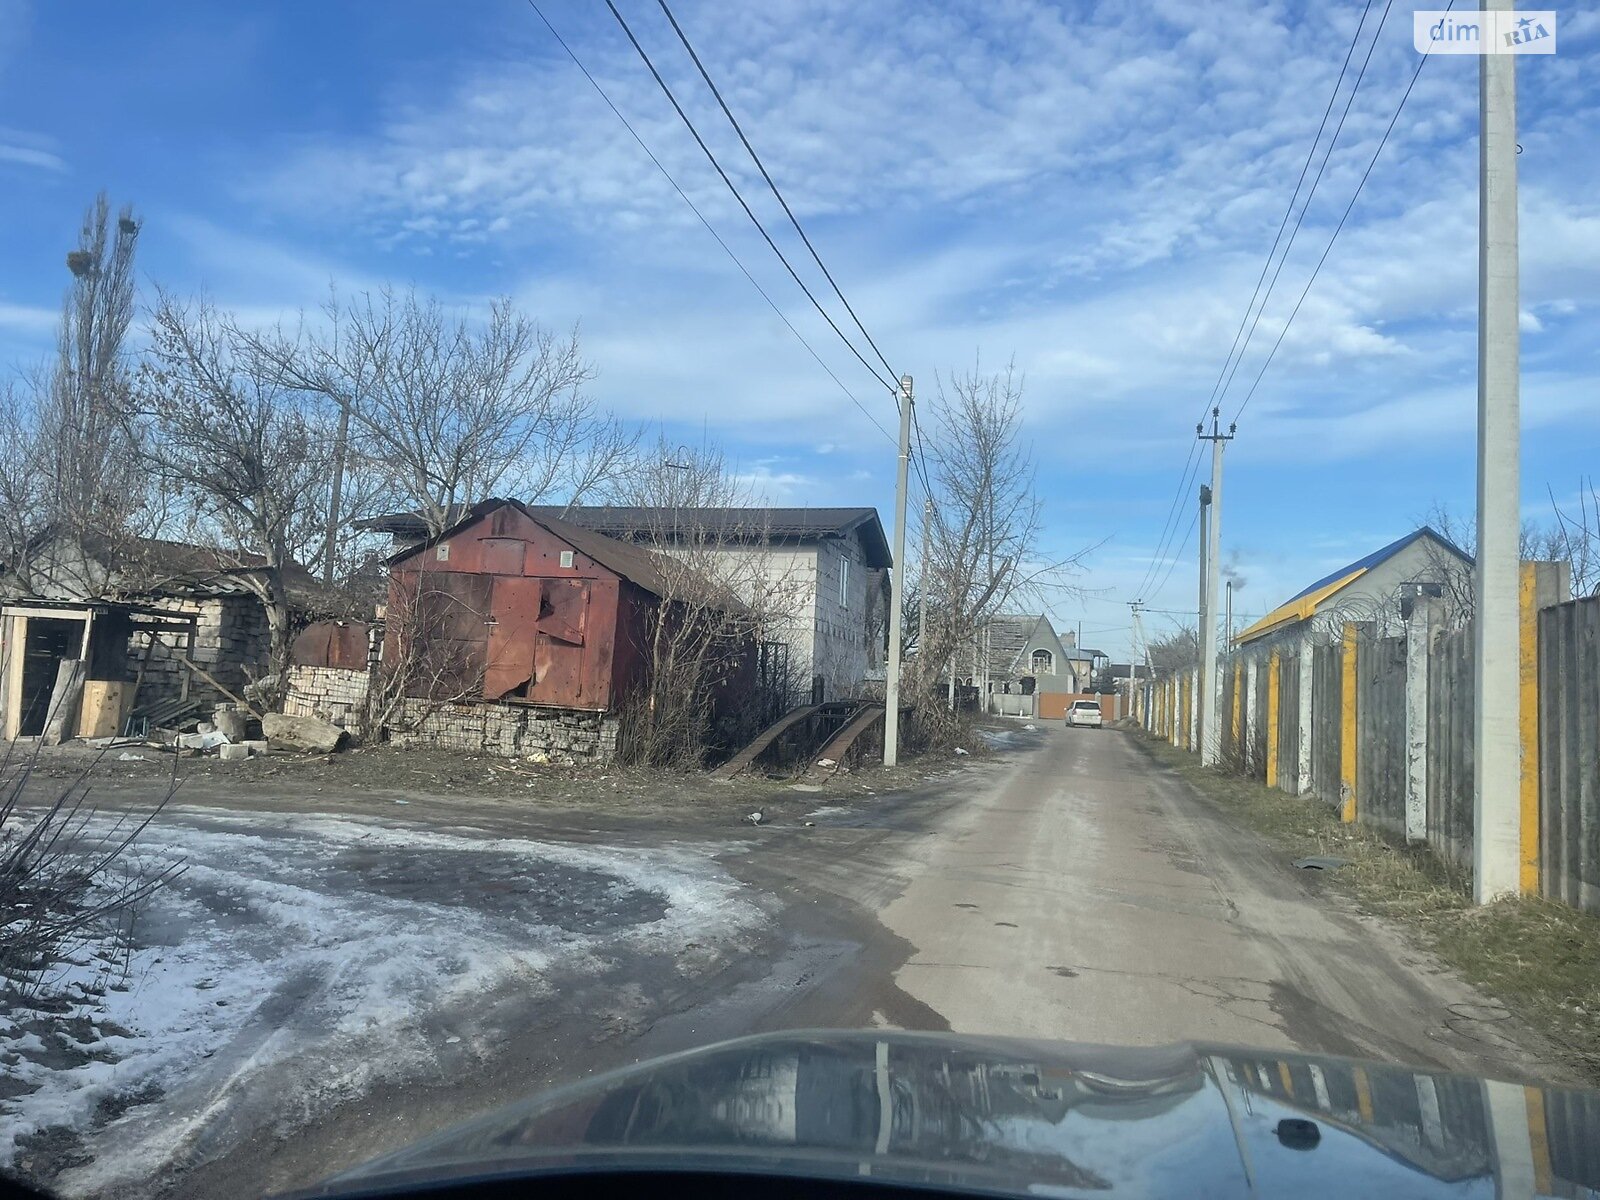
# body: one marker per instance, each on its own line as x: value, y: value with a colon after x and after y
x: 1065, y: 888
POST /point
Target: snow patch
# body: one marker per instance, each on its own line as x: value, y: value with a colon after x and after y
x: 317, y: 948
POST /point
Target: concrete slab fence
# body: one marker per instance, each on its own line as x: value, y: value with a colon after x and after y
x: 1379, y: 726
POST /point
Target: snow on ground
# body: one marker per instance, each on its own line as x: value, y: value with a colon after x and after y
x: 323, y: 950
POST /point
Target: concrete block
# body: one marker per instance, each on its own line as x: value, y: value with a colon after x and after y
x: 233, y: 752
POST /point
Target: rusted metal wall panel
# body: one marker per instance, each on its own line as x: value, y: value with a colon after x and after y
x: 496, y: 599
x: 342, y: 644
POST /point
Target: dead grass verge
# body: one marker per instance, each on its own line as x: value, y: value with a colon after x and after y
x: 1539, y: 958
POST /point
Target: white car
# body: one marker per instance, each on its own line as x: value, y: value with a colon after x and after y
x: 1084, y: 712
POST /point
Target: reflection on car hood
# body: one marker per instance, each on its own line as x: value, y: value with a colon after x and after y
x: 1008, y: 1117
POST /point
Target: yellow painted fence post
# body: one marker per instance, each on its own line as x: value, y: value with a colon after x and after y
x: 1272, y: 719
x: 1347, y: 725
x: 1238, y: 710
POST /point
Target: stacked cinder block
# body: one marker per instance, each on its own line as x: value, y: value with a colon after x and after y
x: 511, y: 730
x: 331, y: 693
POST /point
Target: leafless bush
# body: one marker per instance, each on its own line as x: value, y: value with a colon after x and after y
x: 64, y: 874
x: 424, y: 665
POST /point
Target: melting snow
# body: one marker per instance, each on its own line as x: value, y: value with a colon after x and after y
x: 318, y: 947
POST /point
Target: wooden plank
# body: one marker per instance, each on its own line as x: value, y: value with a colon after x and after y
x: 764, y: 739
x: 836, y: 747
x: 206, y: 675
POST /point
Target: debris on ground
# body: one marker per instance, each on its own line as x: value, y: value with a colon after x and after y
x: 126, y: 757
x: 310, y: 734
x: 960, y: 752
x: 205, y: 739
x: 1321, y: 862
x: 755, y: 818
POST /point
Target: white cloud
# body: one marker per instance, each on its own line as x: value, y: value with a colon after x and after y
x: 29, y: 156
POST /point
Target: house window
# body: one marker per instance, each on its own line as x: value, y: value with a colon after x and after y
x: 844, y: 582
x: 1044, y: 663
x: 566, y: 558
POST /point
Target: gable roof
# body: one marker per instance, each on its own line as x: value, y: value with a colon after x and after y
x: 639, y: 566
x: 1010, y: 634
x: 755, y: 524
x: 1304, y: 604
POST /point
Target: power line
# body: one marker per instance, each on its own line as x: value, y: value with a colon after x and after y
x: 1169, y: 527
x: 1311, y: 154
x: 1295, y: 232
x: 1174, y: 561
x: 760, y: 166
x: 1337, y: 230
x: 709, y: 228
x: 1170, y: 521
x: 737, y: 195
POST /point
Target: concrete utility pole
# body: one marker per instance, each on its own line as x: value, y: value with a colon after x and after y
x: 1199, y: 716
x: 1139, y: 650
x: 891, y: 681
x: 1496, y: 708
x: 1211, y: 535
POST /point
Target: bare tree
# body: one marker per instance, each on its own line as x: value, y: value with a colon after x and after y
x: 1575, y: 537
x: 24, y: 486
x: 724, y: 592
x: 983, y: 544
x: 1177, y: 651
x: 69, y: 479
x: 219, y: 425
x: 441, y: 409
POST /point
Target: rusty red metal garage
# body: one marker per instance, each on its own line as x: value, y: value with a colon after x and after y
x: 533, y: 610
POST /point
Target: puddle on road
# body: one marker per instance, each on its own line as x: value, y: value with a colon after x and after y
x: 498, y: 884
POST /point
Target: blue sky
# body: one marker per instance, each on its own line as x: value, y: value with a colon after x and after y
x: 1090, y: 190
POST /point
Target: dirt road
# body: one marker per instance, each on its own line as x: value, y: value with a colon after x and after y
x: 1065, y: 888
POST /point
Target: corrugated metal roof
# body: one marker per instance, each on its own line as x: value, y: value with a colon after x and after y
x: 754, y: 524
x: 639, y: 566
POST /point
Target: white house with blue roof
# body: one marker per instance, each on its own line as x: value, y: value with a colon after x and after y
x: 1370, y: 589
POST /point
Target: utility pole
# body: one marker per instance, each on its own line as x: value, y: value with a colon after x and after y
x: 1139, y: 649
x: 1211, y: 535
x: 1202, y: 643
x: 1496, y: 709
x: 335, y: 496
x: 891, y: 680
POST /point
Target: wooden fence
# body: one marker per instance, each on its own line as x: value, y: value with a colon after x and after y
x: 1389, y: 739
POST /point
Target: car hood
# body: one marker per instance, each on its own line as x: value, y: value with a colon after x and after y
x: 1009, y: 1117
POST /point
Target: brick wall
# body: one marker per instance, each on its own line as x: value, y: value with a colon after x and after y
x: 231, y: 642
x: 562, y: 735
x: 332, y: 693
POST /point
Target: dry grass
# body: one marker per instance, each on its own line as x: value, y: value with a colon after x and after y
x: 1540, y: 959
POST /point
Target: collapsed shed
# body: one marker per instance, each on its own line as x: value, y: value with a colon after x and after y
x: 67, y: 665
